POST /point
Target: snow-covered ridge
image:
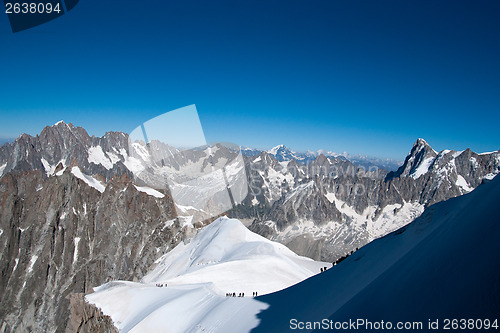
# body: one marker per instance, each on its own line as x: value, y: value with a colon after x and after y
x: 226, y: 245
x: 2, y: 168
x: 224, y: 257
x: 274, y: 150
x: 433, y: 163
x: 150, y: 191
x: 91, y: 181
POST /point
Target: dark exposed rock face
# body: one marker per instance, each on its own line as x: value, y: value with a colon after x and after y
x: 86, y: 318
x: 60, y: 236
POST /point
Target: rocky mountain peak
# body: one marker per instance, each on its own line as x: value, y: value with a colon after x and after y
x: 277, y: 148
x: 418, y: 160
x: 421, y: 146
x: 420, y: 142
x: 282, y: 153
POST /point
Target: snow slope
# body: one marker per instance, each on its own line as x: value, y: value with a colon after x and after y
x: 2, y: 168
x: 91, y: 181
x: 442, y: 265
x: 224, y: 257
x: 234, y: 259
x: 137, y: 307
x: 150, y: 191
x: 97, y: 156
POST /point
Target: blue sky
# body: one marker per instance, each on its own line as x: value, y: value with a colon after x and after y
x: 366, y: 77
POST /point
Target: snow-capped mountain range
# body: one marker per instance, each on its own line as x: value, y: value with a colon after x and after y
x: 323, y: 209
x: 330, y: 206
x: 75, y: 214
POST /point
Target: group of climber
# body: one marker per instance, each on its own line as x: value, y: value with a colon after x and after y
x: 254, y: 294
x: 339, y: 260
x: 161, y: 285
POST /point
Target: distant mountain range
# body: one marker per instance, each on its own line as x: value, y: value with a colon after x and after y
x: 6, y: 140
x: 282, y: 154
